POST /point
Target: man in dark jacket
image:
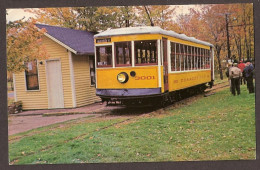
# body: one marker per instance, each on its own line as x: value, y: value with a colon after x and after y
x: 248, y: 71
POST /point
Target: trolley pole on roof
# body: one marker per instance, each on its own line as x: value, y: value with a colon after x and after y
x: 228, y: 45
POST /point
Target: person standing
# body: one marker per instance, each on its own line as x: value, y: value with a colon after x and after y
x: 227, y: 74
x: 235, y: 75
x: 241, y: 66
x: 248, y: 71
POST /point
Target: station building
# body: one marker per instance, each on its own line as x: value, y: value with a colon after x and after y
x: 66, y: 79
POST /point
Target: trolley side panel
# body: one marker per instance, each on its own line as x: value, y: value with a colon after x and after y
x: 184, y: 80
x: 146, y: 77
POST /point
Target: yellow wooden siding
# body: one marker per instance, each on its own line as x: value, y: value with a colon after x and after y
x: 85, y: 93
x: 39, y: 99
x: 32, y: 99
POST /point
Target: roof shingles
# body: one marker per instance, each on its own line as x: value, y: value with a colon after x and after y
x: 80, y: 41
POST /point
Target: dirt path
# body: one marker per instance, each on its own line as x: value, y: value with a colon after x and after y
x: 33, y: 119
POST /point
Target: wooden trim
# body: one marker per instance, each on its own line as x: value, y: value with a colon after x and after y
x: 113, y: 55
x: 95, y: 65
x: 147, y: 64
x: 123, y: 65
x: 73, y: 90
x: 159, y: 63
x: 169, y: 56
x: 105, y: 44
x: 133, y: 53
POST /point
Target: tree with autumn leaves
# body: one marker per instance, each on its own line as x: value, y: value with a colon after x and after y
x: 211, y: 23
x: 216, y: 24
x: 23, y: 44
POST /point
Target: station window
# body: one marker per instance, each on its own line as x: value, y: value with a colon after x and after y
x: 146, y: 52
x: 104, y: 56
x: 31, y: 75
x: 123, y: 53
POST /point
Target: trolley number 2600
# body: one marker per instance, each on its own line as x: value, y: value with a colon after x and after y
x: 144, y: 77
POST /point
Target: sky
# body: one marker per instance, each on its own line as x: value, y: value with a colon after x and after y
x: 19, y: 13
x: 16, y: 14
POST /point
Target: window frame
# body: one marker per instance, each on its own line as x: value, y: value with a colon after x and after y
x: 130, y: 54
x: 96, y: 56
x: 136, y: 53
x: 25, y: 77
x: 193, y: 57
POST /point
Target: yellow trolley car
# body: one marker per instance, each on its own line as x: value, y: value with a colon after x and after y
x: 138, y: 63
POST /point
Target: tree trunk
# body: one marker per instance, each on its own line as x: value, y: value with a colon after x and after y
x: 218, y: 49
x: 149, y: 15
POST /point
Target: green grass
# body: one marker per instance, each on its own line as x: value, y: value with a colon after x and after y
x: 218, y: 80
x: 218, y: 127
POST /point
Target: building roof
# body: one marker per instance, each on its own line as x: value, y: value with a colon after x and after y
x: 77, y: 41
x: 148, y: 30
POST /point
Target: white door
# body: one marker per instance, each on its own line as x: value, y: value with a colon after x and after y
x: 54, y: 84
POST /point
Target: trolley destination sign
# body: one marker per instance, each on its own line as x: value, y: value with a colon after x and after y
x: 103, y: 40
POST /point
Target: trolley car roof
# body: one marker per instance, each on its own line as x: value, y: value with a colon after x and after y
x: 148, y: 30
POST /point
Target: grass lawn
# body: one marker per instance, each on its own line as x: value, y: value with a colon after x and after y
x: 217, y: 127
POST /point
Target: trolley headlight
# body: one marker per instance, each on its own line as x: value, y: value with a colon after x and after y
x: 122, y: 77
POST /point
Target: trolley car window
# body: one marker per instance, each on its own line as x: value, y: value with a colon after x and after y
x: 196, y: 58
x: 104, y: 56
x: 182, y: 56
x: 208, y: 60
x: 186, y: 61
x: 146, y: 52
x: 189, y: 57
x: 178, y: 61
x: 199, y: 58
x: 173, y: 54
x: 123, y: 53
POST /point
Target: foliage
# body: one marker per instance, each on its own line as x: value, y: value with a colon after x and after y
x: 87, y: 18
x: 205, y: 22
x: 157, y: 15
x: 211, y: 23
x: 56, y: 16
x: 24, y: 43
x: 219, y: 127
